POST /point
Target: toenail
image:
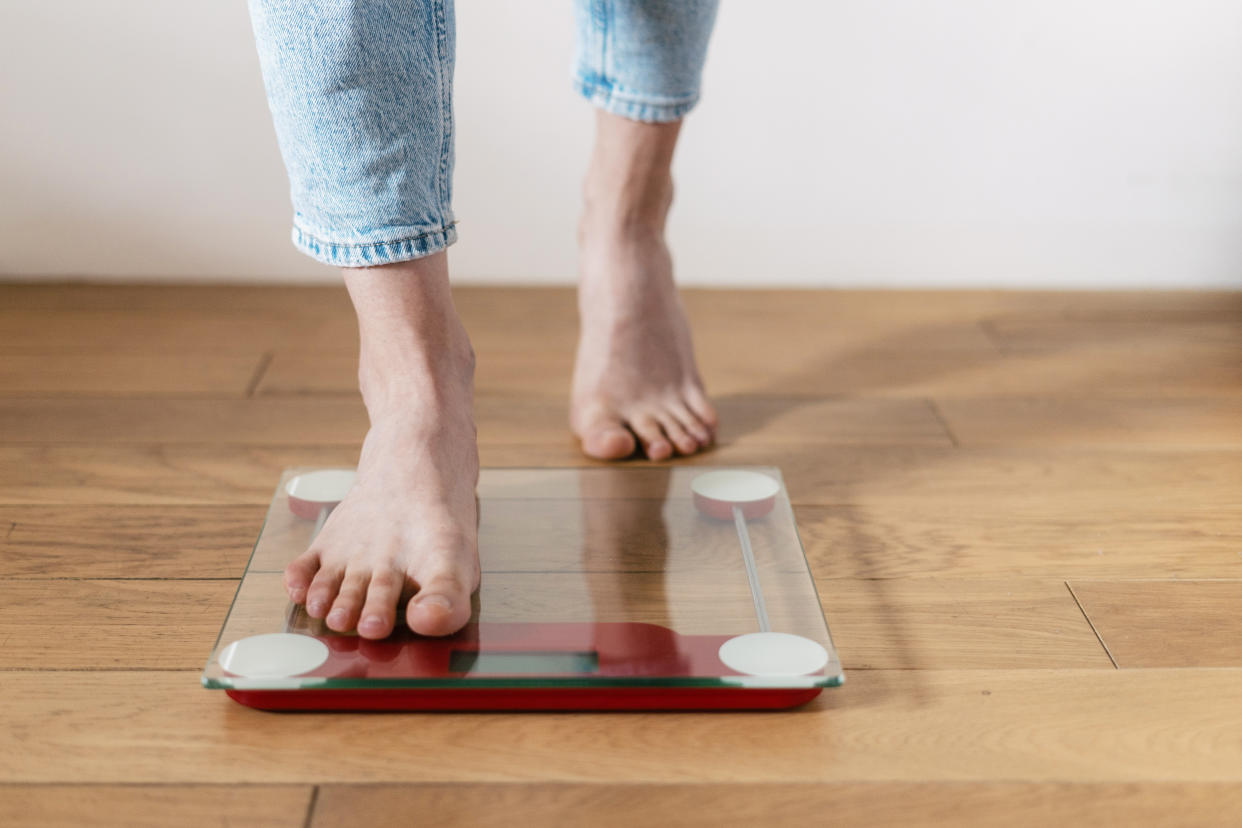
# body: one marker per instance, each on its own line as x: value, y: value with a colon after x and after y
x: 438, y: 601
x: 337, y: 617
x: 372, y: 621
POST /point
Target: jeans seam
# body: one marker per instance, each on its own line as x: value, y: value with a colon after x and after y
x: 446, y: 108
x: 377, y: 243
x: 600, y: 11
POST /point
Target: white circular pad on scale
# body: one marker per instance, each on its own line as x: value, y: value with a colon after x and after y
x: 273, y: 655
x: 773, y: 654
x: 717, y: 492
x: 314, y: 491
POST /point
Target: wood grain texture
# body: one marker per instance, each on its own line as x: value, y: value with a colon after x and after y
x: 955, y: 624
x: 737, y: 361
x: 85, y: 374
x: 108, y: 625
x: 967, y: 482
x: 1218, y: 322
x: 890, y: 725
x: 849, y: 365
x: 1096, y: 421
x: 526, y: 420
x: 953, y: 458
x: 869, y: 804
x: 126, y: 541
x: 1087, y: 537
x: 152, y: 474
x: 1175, y: 370
x: 49, y: 297
x: 178, y: 330
x: 1166, y: 623
x: 154, y: 806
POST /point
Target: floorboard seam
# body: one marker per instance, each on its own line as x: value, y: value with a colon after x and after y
x: 264, y: 361
x: 1087, y: 618
x: 310, y: 807
x: 935, y: 409
x: 993, y: 336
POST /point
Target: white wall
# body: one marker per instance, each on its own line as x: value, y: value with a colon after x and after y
x: 868, y: 142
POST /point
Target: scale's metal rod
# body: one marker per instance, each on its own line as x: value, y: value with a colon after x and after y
x: 752, y: 571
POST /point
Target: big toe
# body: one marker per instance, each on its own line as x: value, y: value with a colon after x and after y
x: 299, y: 574
x: 441, y: 607
x: 608, y: 439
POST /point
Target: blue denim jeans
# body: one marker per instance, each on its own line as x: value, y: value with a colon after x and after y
x: 361, y: 93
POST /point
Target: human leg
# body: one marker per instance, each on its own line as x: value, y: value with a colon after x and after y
x: 360, y: 95
x: 635, y: 375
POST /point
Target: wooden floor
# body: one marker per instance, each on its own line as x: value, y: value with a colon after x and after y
x: 1023, y: 512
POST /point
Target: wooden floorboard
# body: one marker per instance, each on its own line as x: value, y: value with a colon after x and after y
x: 85, y: 474
x: 1086, y: 725
x: 1087, y: 421
x: 903, y: 537
x: 1004, y: 497
x: 110, y: 624
x: 957, y: 624
x: 118, y: 541
x: 84, y: 374
x: 865, y: 805
x: 1214, y: 324
x: 154, y: 806
x: 1162, y: 623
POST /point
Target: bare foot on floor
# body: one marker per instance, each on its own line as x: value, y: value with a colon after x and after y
x: 635, y: 375
x: 408, y: 528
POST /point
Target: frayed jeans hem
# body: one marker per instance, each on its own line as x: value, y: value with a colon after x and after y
x: 371, y: 254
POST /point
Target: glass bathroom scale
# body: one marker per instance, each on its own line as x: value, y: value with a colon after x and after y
x: 602, y: 589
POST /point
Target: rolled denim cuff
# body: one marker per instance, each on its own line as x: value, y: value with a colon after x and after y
x: 403, y: 248
x: 636, y: 107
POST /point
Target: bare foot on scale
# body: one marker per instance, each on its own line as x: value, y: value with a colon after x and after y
x: 407, y: 531
x: 635, y: 383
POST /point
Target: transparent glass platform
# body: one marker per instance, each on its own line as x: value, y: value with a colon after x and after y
x: 596, y: 580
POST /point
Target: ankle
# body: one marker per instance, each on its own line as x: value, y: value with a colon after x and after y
x: 414, y: 348
x: 626, y: 204
x: 427, y: 370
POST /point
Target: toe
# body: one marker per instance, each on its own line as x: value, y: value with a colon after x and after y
x: 677, y: 435
x: 698, y: 403
x: 655, y: 443
x: 692, y: 424
x: 441, y: 607
x: 380, y: 611
x: 344, y: 614
x: 322, y: 591
x: 607, y: 438
x: 299, y: 574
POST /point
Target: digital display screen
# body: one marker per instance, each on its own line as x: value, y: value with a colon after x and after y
x: 522, y: 663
